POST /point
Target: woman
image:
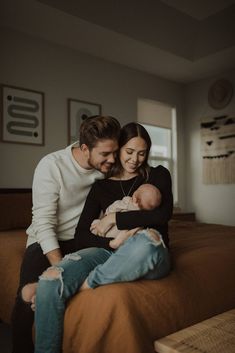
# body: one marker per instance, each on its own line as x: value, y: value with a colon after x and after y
x: 146, y: 256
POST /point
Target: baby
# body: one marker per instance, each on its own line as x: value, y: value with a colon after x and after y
x: 148, y: 198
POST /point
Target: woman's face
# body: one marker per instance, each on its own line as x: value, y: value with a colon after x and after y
x: 133, y: 154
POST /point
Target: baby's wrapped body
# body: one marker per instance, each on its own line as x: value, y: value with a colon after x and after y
x: 146, y: 197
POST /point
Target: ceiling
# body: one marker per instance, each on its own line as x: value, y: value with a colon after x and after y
x: 179, y: 40
x: 199, y: 9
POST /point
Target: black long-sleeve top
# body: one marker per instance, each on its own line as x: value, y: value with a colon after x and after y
x: 105, y: 192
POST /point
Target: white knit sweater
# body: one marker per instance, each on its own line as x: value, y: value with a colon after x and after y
x: 60, y: 188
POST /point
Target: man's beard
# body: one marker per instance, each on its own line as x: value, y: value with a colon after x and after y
x: 99, y: 166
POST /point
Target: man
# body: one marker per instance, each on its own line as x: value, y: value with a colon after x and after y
x: 61, y: 183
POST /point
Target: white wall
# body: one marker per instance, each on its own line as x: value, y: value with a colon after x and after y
x: 63, y: 73
x: 212, y: 203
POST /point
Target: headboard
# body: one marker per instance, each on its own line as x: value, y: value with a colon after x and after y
x: 15, y: 208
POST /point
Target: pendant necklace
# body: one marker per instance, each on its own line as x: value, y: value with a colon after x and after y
x: 124, y: 194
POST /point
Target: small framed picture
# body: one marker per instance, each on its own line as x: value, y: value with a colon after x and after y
x: 22, y: 115
x: 77, y: 112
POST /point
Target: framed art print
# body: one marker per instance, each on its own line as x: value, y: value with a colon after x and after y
x: 77, y: 112
x: 22, y: 115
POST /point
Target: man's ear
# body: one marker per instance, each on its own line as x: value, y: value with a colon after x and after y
x: 84, y: 148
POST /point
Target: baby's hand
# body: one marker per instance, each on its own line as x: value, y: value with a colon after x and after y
x: 104, y: 224
x: 93, y: 227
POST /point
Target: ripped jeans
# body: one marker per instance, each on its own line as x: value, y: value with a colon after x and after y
x: 139, y: 257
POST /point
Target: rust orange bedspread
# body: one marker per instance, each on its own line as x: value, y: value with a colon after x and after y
x: 128, y: 317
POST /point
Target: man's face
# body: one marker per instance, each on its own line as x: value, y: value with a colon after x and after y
x: 103, y: 155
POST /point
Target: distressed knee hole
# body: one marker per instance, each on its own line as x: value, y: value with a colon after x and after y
x: 52, y: 273
x: 155, y: 236
x: 72, y: 256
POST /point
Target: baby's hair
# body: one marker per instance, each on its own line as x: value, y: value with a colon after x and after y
x: 153, y: 193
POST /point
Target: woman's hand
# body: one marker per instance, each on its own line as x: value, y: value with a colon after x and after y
x: 104, y: 224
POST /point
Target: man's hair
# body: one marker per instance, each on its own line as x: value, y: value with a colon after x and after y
x: 96, y: 128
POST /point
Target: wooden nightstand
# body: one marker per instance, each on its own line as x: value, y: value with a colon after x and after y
x: 216, y: 335
x: 184, y: 216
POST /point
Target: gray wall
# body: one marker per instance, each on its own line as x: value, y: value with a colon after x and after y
x: 63, y: 73
x: 212, y: 203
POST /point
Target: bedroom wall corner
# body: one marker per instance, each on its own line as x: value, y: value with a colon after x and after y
x: 211, y: 203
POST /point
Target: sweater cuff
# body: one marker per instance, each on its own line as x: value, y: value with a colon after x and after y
x: 49, y: 245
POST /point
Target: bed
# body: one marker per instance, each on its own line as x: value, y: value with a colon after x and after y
x: 128, y: 317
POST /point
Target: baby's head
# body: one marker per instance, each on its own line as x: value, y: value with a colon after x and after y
x: 147, y: 197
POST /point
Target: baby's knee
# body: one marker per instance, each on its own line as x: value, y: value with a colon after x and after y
x: 146, y: 246
x: 28, y: 292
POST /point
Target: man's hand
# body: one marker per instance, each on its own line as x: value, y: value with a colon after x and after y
x: 104, y: 225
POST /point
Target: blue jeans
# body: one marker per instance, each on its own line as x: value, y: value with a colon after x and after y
x: 138, y: 257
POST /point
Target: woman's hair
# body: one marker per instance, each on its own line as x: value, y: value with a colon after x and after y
x: 128, y: 132
x: 96, y: 128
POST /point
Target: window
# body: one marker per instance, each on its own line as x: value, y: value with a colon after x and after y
x: 161, y: 146
x: 160, y: 122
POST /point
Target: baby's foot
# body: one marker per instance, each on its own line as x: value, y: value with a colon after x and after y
x: 85, y: 286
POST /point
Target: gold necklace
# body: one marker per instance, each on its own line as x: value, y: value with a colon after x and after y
x: 124, y: 194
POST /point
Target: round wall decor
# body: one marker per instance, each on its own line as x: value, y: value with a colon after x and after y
x: 220, y: 93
